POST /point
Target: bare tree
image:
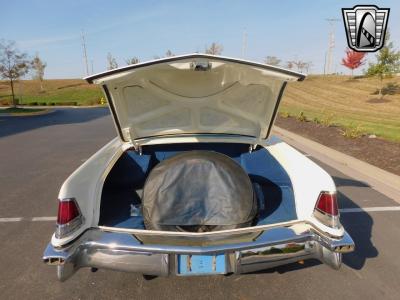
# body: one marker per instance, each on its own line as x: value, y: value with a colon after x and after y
x: 307, y: 66
x: 111, y: 62
x: 272, y: 60
x: 300, y: 65
x: 13, y: 64
x: 169, y: 53
x: 289, y: 65
x: 38, y: 65
x: 214, y: 49
x: 132, y: 61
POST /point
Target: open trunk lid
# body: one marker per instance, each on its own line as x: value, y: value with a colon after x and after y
x: 194, y: 94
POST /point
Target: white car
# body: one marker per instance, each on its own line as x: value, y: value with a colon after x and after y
x: 194, y: 184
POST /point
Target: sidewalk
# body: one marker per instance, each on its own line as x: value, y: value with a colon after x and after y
x: 380, y: 180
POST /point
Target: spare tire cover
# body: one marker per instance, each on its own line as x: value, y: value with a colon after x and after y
x: 198, y: 188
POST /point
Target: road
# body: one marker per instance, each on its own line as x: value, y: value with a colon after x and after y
x: 38, y: 153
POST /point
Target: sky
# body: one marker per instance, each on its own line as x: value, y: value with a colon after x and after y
x: 289, y: 30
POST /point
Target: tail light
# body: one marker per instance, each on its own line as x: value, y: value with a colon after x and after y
x: 69, y: 217
x: 326, y: 209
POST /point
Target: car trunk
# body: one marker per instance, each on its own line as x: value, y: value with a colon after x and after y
x: 122, y: 191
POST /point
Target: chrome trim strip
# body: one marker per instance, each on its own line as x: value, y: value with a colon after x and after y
x: 220, y: 232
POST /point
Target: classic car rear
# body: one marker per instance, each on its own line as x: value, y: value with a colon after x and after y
x: 195, y: 184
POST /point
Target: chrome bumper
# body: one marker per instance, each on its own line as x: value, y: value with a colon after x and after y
x: 124, y: 252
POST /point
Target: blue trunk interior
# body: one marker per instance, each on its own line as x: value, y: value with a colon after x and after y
x: 121, y: 195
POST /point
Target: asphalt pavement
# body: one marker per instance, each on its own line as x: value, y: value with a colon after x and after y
x: 37, y: 153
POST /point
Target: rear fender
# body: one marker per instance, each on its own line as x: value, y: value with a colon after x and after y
x: 85, y: 185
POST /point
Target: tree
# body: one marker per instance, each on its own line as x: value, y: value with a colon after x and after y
x: 353, y: 59
x: 214, y: 49
x: 13, y: 64
x: 307, y: 66
x: 132, y: 61
x: 272, y: 60
x: 300, y: 65
x: 38, y: 65
x: 169, y: 53
x: 111, y: 62
x: 289, y: 65
x: 387, y: 62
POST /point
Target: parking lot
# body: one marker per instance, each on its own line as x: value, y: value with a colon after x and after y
x: 39, y: 152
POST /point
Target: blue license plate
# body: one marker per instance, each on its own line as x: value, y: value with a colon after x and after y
x: 201, y: 264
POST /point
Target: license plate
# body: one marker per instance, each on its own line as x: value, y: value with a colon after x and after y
x: 201, y: 264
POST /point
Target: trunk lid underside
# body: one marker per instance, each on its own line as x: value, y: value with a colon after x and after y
x: 194, y: 94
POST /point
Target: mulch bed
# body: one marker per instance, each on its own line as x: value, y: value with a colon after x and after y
x: 376, y: 151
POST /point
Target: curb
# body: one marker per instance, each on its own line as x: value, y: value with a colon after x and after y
x: 380, y: 180
x: 31, y: 114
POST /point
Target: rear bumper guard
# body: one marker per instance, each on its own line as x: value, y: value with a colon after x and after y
x: 124, y: 252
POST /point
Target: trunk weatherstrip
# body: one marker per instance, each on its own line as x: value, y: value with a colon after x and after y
x: 111, y: 104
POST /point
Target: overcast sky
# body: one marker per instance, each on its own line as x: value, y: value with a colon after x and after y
x: 286, y: 29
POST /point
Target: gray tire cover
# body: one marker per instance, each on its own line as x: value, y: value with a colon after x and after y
x: 198, y: 188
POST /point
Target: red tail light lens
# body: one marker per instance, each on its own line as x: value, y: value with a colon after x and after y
x: 67, y: 211
x: 326, y: 210
x: 69, y: 217
x: 327, y: 203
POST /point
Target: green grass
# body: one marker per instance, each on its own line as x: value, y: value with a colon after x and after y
x: 336, y: 100
x: 56, y: 92
x: 17, y: 110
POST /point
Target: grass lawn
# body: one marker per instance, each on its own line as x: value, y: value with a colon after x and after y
x: 56, y: 92
x: 346, y: 102
x: 17, y: 110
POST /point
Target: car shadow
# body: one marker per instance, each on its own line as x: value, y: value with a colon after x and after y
x: 358, y: 225
x: 340, y: 181
x: 14, y: 125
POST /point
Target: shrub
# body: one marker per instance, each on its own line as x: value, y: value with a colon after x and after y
x: 327, y: 120
x: 301, y: 117
x: 33, y: 103
x: 316, y: 120
x: 283, y: 114
x: 352, y: 132
x: 390, y: 89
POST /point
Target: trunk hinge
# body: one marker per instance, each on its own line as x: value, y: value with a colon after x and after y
x: 252, y: 148
x: 136, y: 146
x: 138, y: 149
